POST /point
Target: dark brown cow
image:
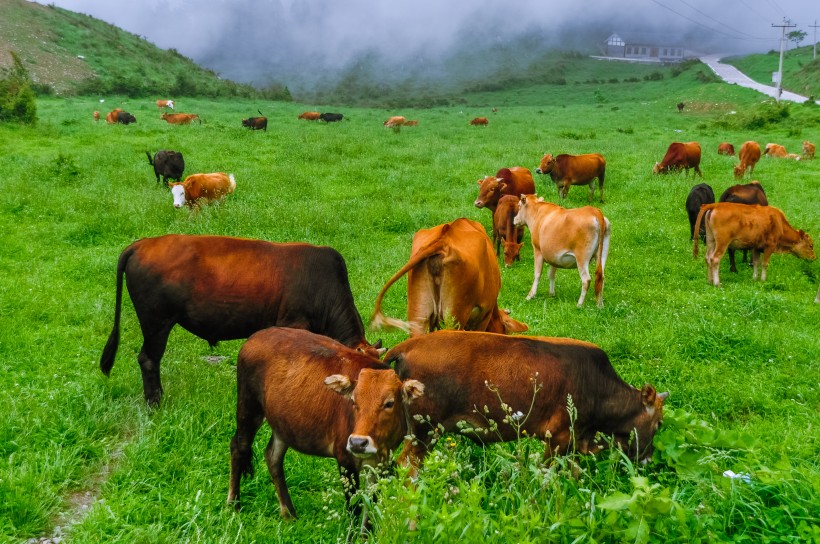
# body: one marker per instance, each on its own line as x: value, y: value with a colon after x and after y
x: 515, y: 181
x: 292, y: 379
x: 224, y: 288
x: 452, y: 273
x: 680, y: 156
x: 763, y: 229
x: 167, y: 164
x: 725, y: 148
x: 750, y: 193
x: 480, y: 121
x: 505, y: 233
x: 256, y: 123
x: 523, y: 384
x: 681, y: 105
x: 567, y: 170
x: 749, y: 155
x: 699, y: 195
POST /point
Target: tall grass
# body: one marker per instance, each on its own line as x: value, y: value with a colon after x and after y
x: 83, y: 453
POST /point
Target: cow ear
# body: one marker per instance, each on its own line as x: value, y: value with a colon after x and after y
x: 502, y: 187
x: 512, y: 325
x: 648, y: 395
x: 479, y: 181
x: 341, y: 384
x: 411, y: 390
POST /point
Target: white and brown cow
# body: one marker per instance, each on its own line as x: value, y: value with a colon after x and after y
x: 162, y: 104
x: 198, y: 188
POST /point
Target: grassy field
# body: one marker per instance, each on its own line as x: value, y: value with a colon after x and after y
x: 82, y: 457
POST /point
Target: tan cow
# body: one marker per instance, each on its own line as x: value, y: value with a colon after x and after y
x: 763, y: 229
x: 515, y: 181
x: 395, y: 121
x: 568, y: 170
x: 111, y: 116
x: 480, y: 121
x: 808, y: 150
x: 162, y: 104
x: 725, y: 148
x: 566, y: 238
x: 310, y: 115
x: 452, y: 274
x: 96, y: 116
x: 505, y: 233
x: 180, y: 118
x: 198, y: 188
x: 775, y: 150
x: 749, y: 155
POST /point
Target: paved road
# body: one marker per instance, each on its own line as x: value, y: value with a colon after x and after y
x: 732, y: 75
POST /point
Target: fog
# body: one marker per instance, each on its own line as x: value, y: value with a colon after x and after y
x: 303, y: 42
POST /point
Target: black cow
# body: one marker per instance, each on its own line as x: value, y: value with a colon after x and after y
x: 125, y: 118
x: 749, y: 193
x: 168, y: 164
x: 681, y: 105
x: 256, y: 123
x: 699, y: 195
x: 225, y: 288
x: 331, y: 117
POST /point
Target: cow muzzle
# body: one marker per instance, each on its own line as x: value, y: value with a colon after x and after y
x: 479, y: 203
x: 539, y: 171
x: 361, y: 446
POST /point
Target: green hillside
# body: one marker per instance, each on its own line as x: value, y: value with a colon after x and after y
x: 801, y: 73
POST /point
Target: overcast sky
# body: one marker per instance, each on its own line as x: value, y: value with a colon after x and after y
x: 233, y: 36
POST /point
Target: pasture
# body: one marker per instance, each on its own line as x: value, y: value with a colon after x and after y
x: 82, y: 456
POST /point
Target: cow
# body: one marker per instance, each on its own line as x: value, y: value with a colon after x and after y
x: 162, y: 104
x: 452, y: 273
x: 96, y: 116
x: 310, y: 115
x: 808, y: 150
x: 331, y: 117
x: 111, y: 116
x: 699, y: 195
x: 480, y: 121
x: 680, y: 156
x: 567, y: 170
x: 168, y: 164
x: 199, y: 188
x: 224, y: 288
x: 763, y: 229
x: 125, y: 118
x: 750, y: 193
x: 566, y: 238
x: 749, y: 155
x: 524, y: 385
x: 256, y: 123
x: 726, y: 148
x: 792, y: 156
x: 300, y: 383
x: 681, y: 105
x: 775, y: 150
x: 411, y: 123
x: 395, y: 121
x: 505, y: 233
x: 180, y: 118
x: 514, y: 181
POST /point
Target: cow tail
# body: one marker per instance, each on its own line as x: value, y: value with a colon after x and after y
x: 603, y: 251
x: 260, y: 113
x: 110, y: 350
x: 150, y: 160
x: 703, y: 209
x: 231, y: 183
x: 379, y: 320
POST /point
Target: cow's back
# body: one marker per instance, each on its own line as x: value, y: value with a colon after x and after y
x: 744, y: 226
x: 518, y: 179
x: 580, y: 167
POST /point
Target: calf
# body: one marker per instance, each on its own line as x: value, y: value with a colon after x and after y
x: 568, y: 170
x: 808, y: 150
x: 726, y: 148
x: 310, y: 115
x: 750, y: 193
x: 699, y: 195
x: 180, y: 118
x: 566, y: 238
x: 763, y: 229
x: 331, y: 117
x: 749, y: 155
x: 480, y: 121
x: 525, y: 385
x: 256, y: 123
x: 515, y: 181
x: 167, y: 164
x: 198, y: 188
x: 294, y: 380
x: 125, y: 118
x: 224, y: 288
x: 680, y: 156
x: 775, y: 150
x: 505, y: 233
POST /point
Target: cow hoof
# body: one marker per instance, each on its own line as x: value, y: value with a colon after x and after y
x: 529, y: 297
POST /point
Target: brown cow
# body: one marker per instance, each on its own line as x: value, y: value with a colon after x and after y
x: 680, y: 156
x: 566, y: 238
x: 567, y: 170
x: 310, y: 115
x: 198, y: 188
x: 749, y: 155
x: 256, y: 123
x: 699, y: 195
x: 750, y: 193
x: 96, y: 116
x: 395, y: 121
x: 775, y: 150
x: 525, y: 385
x: 725, y: 148
x: 111, y: 116
x: 515, y: 181
x: 505, y: 233
x: 224, y: 288
x: 452, y: 273
x: 180, y: 118
x: 162, y: 104
x: 291, y: 379
x: 763, y: 229
x: 808, y: 150
x: 483, y: 121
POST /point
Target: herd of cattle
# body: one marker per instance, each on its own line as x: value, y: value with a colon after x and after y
x: 308, y: 369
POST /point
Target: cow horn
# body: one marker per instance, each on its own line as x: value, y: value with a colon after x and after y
x: 664, y: 395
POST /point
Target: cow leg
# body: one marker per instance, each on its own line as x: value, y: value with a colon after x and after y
x: 249, y: 418
x: 275, y: 457
x: 732, y: 267
x: 591, y: 190
x: 154, y: 343
x: 713, y: 256
x: 349, y: 474
x: 412, y: 456
x: 583, y: 270
x: 764, y: 262
x: 538, y: 266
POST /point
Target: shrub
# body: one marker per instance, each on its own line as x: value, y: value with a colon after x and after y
x: 654, y: 76
x: 17, y: 98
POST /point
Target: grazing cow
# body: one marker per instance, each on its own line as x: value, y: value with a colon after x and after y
x: 680, y: 156
x: 310, y: 115
x: 808, y: 150
x: 256, y: 123
x: 295, y: 380
x: 96, y: 116
x: 180, y: 118
x: 331, y: 117
x: 750, y: 193
x: 515, y: 181
x: 224, y: 288
x: 775, y: 150
x: 567, y: 170
x: 162, y: 104
x: 763, y: 229
x: 681, y: 105
x: 452, y: 273
x: 483, y: 121
x: 726, y: 148
x: 411, y: 123
x: 168, y: 164
x: 111, y: 116
x: 505, y: 233
x: 749, y: 155
x: 525, y: 384
x: 566, y: 238
x: 197, y: 188
x: 699, y: 195
x: 395, y: 121
x: 125, y: 118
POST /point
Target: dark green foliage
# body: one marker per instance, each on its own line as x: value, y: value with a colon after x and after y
x: 654, y: 76
x: 17, y: 98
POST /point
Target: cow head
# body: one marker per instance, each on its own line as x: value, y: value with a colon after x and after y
x: 804, y: 248
x: 512, y: 250
x: 178, y: 192
x: 490, y: 190
x: 547, y: 164
x: 524, y: 204
x: 380, y: 409
x: 739, y: 171
x: 657, y: 168
x: 637, y: 431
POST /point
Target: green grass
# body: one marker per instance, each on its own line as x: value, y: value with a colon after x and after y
x: 82, y: 452
x: 801, y: 72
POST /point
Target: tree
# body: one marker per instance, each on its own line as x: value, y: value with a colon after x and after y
x: 796, y: 36
x: 17, y: 99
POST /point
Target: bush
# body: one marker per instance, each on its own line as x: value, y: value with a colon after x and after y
x: 17, y: 98
x: 654, y: 76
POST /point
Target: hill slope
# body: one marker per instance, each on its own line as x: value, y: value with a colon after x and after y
x: 801, y: 73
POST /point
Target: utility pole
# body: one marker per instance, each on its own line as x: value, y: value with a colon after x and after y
x: 786, y: 24
x: 814, y: 48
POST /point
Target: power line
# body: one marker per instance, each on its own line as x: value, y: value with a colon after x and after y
x: 701, y: 24
x: 718, y: 22
x: 762, y: 17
